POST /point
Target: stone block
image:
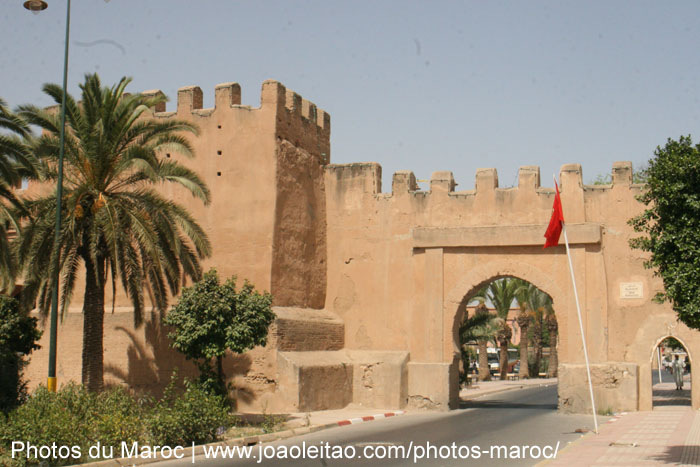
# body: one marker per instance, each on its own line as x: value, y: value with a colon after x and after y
x: 615, y: 387
x: 433, y: 386
x: 380, y: 378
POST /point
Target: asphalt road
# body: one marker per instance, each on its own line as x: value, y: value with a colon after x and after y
x: 510, y: 419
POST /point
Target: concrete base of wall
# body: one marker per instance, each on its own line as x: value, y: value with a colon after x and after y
x: 433, y: 386
x: 615, y: 387
x: 324, y: 380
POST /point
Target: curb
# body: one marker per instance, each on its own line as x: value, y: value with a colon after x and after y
x: 245, y: 441
x: 353, y: 421
x: 468, y: 397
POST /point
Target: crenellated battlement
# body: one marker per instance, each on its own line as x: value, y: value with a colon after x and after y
x: 486, y: 180
x: 487, y: 203
x: 287, y: 105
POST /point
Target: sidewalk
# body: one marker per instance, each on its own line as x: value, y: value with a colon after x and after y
x: 482, y: 388
x: 670, y: 434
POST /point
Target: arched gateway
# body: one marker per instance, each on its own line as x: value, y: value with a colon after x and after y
x: 369, y: 286
x: 410, y: 259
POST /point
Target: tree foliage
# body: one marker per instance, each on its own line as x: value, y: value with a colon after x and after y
x: 18, y: 336
x: 671, y: 224
x: 16, y: 162
x: 115, y: 223
x: 211, y: 318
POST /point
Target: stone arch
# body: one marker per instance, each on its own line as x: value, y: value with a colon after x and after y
x: 648, y: 388
x: 666, y: 336
x: 456, y: 297
x: 655, y: 328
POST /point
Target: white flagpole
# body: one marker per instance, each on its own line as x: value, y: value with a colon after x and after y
x: 658, y: 357
x: 580, y: 323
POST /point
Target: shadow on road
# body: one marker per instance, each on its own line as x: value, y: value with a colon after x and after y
x: 500, y: 404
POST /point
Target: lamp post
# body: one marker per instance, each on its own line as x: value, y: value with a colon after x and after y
x: 36, y: 6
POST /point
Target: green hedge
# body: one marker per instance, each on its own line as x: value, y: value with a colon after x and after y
x: 78, y: 419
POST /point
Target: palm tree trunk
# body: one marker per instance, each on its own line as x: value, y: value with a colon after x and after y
x: 537, y: 338
x: 553, y: 357
x: 524, y: 324
x: 484, y: 370
x: 503, y: 358
x: 93, y: 326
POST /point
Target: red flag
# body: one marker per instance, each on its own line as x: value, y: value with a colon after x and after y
x: 555, y: 223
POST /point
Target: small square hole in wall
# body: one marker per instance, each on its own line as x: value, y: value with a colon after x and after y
x: 219, y: 127
x: 218, y: 152
x: 218, y: 174
x: 168, y: 156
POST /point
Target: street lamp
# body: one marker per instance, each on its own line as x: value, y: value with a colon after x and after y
x: 35, y: 6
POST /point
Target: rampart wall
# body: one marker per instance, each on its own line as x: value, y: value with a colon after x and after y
x: 370, y: 286
x: 266, y: 222
x: 401, y: 265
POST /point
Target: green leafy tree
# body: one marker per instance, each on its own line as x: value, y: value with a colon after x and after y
x: 211, y: 318
x: 115, y: 224
x: 671, y: 224
x: 16, y: 162
x: 18, y: 336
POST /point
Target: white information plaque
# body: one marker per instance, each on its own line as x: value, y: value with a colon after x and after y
x: 631, y: 290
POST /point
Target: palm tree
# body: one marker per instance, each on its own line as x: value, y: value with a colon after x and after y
x: 472, y: 329
x: 534, y: 304
x: 16, y: 162
x: 487, y: 327
x: 553, y: 328
x: 115, y: 223
x: 523, y: 320
x: 482, y: 335
x: 502, y: 293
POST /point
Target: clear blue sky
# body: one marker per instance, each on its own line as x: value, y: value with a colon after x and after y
x: 422, y: 86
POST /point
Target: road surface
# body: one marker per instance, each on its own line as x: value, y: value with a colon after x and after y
x: 491, y: 430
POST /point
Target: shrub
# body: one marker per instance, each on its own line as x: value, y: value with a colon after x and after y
x: 18, y: 336
x: 119, y: 417
x: 75, y: 417
x: 211, y: 318
x: 193, y: 415
x: 63, y: 418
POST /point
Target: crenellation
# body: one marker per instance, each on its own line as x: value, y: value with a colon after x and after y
x: 308, y: 110
x: 365, y: 176
x: 571, y: 177
x: 403, y: 181
x: 159, y: 107
x: 227, y: 95
x: 529, y: 177
x: 368, y: 175
x: 189, y: 98
x: 273, y: 94
x: 486, y: 180
x: 622, y: 173
x: 442, y: 182
x: 293, y: 102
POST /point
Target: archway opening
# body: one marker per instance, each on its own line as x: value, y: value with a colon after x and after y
x: 670, y: 378
x: 507, y: 330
